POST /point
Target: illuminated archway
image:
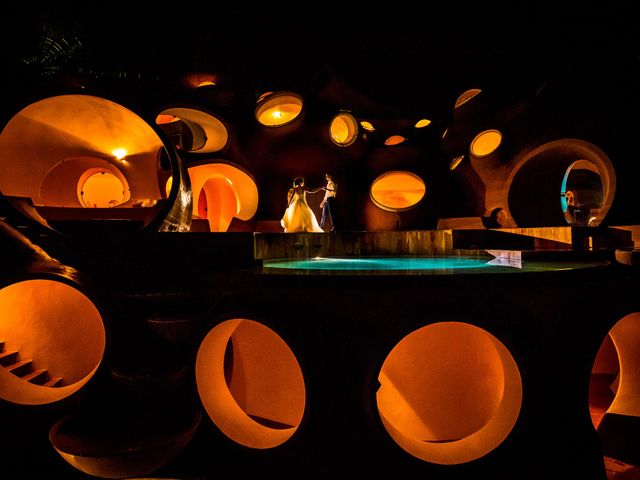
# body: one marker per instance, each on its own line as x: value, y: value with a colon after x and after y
x: 52, y: 340
x: 541, y: 174
x: 460, y: 404
x: 194, y: 130
x: 279, y: 109
x: 581, y: 194
x: 397, y: 191
x: 250, y: 383
x: 99, y: 188
x: 344, y: 129
x: 222, y: 192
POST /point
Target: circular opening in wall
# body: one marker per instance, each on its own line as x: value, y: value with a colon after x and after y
x: 52, y: 340
x: 486, y: 143
x: 422, y: 123
x: 551, y: 170
x: 582, y: 194
x: 614, y: 390
x: 455, y: 162
x: 344, y: 129
x: 462, y: 401
x: 398, y: 190
x: 102, y: 189
x: 394, y: 140
x: 279, y: 109
x: 193, y: 130
x: 466, y: 96
x: 250, y: 383
x: 368, y: 126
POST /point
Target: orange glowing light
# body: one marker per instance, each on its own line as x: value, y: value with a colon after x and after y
x: 455, y: 162
x: 102, y: 190
x: 422, y: 123
x: 466, y: 96
x: 486, y: 143
x: 206, y: 83
x: 394, y: 140
x: 222, y: 192
x: 397, y: 190
x: 250, y: 383
x: 119, y: 153
x: 279, y: 109
x: 162, y: 119
x: 460, y: 404
x: 263, y: 96
x: 344, y: 129
x: 368, y: 126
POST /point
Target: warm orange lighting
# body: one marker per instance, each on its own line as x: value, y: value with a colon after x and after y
x: 207, y: 134
x: 455, y: 162
x: 56, y: 328
x: 48, y: 145
x: 250, y: 383
x: 397, y: 190
x: 279, y: 109
x: 344, y: 129
x: 263, y: 96
x: 486, y: 143
x: 200, y: 79
x: 168, y: 186
x: 422, y: 123
x: 222, y: 192
x: 102, y: 190
x: 626, y: 339
x: 119, y: 153
x: 206, y: 83
x: 368, y: 126
x: 462, y: 401
x: 466, y: 96
x: 444, y: 134
x: 162, y: 119
x: 394, y: 140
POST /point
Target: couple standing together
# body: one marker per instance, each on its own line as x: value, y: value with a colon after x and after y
x: 298, y: 217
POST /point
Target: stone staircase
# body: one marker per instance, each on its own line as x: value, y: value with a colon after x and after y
x: 11, y: 361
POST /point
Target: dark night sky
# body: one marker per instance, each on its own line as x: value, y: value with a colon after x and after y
x: 399, y: 55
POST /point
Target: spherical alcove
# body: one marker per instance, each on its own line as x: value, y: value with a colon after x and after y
x: 52, y: 338
x: 614, y: 398
x: 51, y: 148
x: 543, y: 173
x: 193, y: 130
x: 99, y: 188
x: 279, y: 109
x: 343, y: 129
x: 222, y: 192
x: 397, y: 191
x: 460, y: 404
x: 250, y: 383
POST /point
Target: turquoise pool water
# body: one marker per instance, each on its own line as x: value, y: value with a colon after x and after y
x: 421, y: 265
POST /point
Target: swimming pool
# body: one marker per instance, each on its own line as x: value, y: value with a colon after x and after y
x: 422, y: 265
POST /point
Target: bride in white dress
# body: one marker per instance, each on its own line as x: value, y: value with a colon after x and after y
x: 298, y: 217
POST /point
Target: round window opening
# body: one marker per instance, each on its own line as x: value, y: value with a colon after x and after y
x: 460, y: 404
x: 344, y: 129
x: 397, y: 191
x: 277, y: 110
x: 102, y: 190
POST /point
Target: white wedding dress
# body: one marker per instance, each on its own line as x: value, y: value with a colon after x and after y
x: 298, y: 217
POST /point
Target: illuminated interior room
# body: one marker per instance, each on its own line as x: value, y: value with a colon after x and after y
x: 455, y: 294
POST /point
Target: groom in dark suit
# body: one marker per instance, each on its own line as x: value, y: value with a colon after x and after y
x: 328, y: 203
